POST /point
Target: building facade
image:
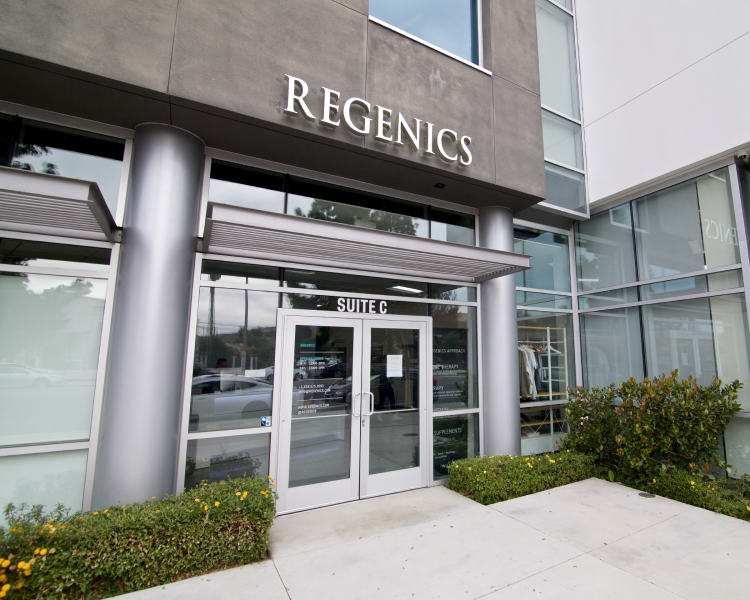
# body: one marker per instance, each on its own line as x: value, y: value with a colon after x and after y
x: 336, y: 242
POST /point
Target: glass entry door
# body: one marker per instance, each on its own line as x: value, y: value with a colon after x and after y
x: 354, y: 393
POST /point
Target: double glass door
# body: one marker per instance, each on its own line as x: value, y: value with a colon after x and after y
x: 353, y: 408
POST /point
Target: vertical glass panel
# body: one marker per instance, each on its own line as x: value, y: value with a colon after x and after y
x: 339, y: 205
x: 233, y: 367
x: 454, y: 357
x: 321, y: 405
x: 50, y: 331
x: 459, y: 293
x: 550, y: 259
x: 47, y: 479
x: 678, y: 335
x: 449, y: 226
x: 453, y: 437
x: 674, y: 287
x: 536, y: 421
x: 745, y: 193
x: 610, y: 298
x: 565, y: 188
x: 535, y: 299
x: 246, y: 187
x: 72, y: 153
x: 604, y: 250
x: 448, y: 24
x: 737, y: 444
x: 212, y: 270
x: 726, y: 280
x: 227, y: 457
x: 6, y: 138
x: 345, y: 282
x: 611, y: 347
x: 40, y: 254
x: 557, y: 59
x: 562, y: 140
x: 565, y: 4
x: 394, y: 384
x: 730, y: 331
x: 720, y: 242
x: 546, y: 356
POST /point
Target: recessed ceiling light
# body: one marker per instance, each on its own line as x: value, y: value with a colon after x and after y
x: 401, y: 288
x: 439, y: 186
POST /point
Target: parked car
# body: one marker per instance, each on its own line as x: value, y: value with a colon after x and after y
x: 13, y: 375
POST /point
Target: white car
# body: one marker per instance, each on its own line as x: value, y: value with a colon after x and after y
x: 13, y: 375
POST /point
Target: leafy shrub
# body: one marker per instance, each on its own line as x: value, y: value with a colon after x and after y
x: 593, y: 425
x: 127, y: 548
x: 491, y: 479
x: 663, y: 423
x: 724, y: 497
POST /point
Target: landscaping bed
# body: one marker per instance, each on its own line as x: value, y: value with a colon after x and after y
x: 127, y: 548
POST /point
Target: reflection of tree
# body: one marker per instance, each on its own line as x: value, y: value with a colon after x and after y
x: 36, y: 152
x: 344, y: 213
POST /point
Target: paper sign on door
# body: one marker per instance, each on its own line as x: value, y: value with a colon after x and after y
x: 395, y: 365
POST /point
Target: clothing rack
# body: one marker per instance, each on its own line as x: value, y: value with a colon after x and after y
x: 550, y: 352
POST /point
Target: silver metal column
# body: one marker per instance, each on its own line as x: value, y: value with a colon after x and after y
x: 502, y: 429
x: 139, y: 434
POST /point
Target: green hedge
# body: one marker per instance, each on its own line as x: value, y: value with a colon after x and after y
x: 493, y: 479
x: 128, y: 548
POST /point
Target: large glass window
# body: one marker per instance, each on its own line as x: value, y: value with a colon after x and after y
x: 565, y: 188
x: 235, y: 456
x: 453, y: 437
x: 246, y: 187
x: 562, y: 140
x: 550, y: 259
x: 448, y: 24
x: 71, y: 153
x: 454, y: 357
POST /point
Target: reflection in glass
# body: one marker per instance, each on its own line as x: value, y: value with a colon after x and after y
x: 50, y: 332
x: 730, y: 329
x: 41, y: 254
x: 6, y: 137
x: 535, y: 299
x: 394, y: 382
x: 674, y: 287
x: 322, y: 404
x: 542, y: 428
x: 737, y: 445
x: 453, y: 437
x: 212, y: 270
x: 604, y: 249
x: 457, y: 293
x: 558, y: 78
x: 233, y: 367
x: 344, y: 282
x: 546, y: 363
x: 550, y: 260
x: 449, y: 226
x: 610, y: 298
x: 611, y: 347
x: 227, y: 457
x: 57, y: 150
x: 454, y: 357
x: 451, y: 25
x: 47, y: 479
x: 565, y: 188
x: 562, y: 140
x: 243, y: 186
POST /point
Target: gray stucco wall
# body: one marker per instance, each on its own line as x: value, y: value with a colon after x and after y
x: 219, y: 66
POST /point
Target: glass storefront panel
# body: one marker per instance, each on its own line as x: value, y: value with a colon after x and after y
x: 345, y: 282
x: 562, y: 140
x: 227, y: 457
x: 610, y: 298
x: 546, y: 355
x: 604, y: 250
x: 50, y: 333
x: 228, y: 272
x: 63, y: 256
x: 550, y: 260
x: 57, y: 150
x: 46, y: 479
x: 233, y: 367
x: 453, y: 437
x: 558, y: 76
x: 246, y: 187
x: 455, y: 381
x: 737, y: 445
x: 457, y: 293
x: 449, y: 226
x: 451, y: 25
x: 611, y: 347
x: 565, y: 188
x: 6, y: 137
x: 730, y: 333
x: 535, y: 299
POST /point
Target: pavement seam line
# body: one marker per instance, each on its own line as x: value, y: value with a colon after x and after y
x: 619, y: 568
x: 283, y: 583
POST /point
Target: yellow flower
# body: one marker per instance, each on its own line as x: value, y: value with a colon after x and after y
x: 205, y: 507
x: 197, y: 500
x: 27, y: 572
x: 5, y: 563
x: 485, y: 472
x: 51, y: 520
x: 236, y: 493
x: 106, y: 511
x: 654, y: 480
x: 469, y: 468
x: 52, y: 551
x: 6, y: 587
x: 273, y: 484
x: 552, y: 461
x: 43, y: 551
x: 36, y: 551
x: 748, y: 507
x: 530, y: 465
x: 97, y: 512
x: 692, y: 483
x: 157, y: 510
x: 216, y: 504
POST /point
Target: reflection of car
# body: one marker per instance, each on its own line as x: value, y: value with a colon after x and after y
x: 12, y: 375
x: 298, y: 374
x: 218, y: 398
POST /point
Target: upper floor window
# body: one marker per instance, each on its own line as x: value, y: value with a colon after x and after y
x: 451, y: 25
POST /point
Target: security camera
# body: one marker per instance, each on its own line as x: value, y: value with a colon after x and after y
x: 742, y: 155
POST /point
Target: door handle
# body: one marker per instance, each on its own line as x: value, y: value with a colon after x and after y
x: 355, y: 405
x: 372, y: 404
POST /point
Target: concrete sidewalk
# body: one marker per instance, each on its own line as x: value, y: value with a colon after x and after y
x: 588, y: 540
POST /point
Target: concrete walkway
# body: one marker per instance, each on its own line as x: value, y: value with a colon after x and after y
x: 588, y: 540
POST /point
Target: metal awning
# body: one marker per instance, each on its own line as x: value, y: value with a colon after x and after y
x: 235, y: 231
x: 49, y: 204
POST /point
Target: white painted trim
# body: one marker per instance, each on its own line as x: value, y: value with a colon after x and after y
x: 43, y: 448
x: 122, y: 196
x: 548, y: 292
x: 436, y: 48
x: 222, y: 433
x: 560, y: 114
x: 564, y: 166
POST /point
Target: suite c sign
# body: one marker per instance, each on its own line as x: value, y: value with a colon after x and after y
x: 386, y: 125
